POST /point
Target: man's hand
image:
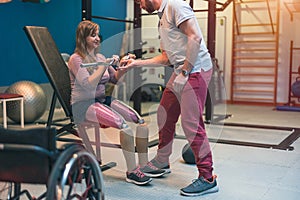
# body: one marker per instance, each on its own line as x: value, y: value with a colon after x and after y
x: 179, y: 82
x: 126, y: 64
x: 129, y: 56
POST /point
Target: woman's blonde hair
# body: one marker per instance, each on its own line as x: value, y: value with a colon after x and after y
x: 85, y: 29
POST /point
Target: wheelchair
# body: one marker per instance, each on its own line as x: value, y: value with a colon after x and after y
x: 35, y: 156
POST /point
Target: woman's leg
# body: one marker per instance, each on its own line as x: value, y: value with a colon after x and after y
x: 141, y: 140
x: 142, y: 130
x: 128, y: 148
x: 109, y: 117
x: 128, y: 113
x: 106, y: 116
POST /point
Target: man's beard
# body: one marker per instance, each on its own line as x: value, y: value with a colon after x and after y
x: 149, y: 7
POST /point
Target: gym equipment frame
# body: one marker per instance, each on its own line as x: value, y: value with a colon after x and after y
x: 58, y: 75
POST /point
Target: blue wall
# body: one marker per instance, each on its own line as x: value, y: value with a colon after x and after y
x: 111, y: 31
x: 18, y: 61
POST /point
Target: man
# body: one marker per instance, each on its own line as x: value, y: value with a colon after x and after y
x: 184, y: 48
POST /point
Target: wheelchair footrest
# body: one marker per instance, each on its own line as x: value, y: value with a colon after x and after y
x: 108, y: 166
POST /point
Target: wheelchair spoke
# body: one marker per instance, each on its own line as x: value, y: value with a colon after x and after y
x: 82, y: 179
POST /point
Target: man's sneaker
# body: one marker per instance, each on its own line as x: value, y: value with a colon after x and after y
x: 164, y: 166
x: 137, y: 177
x: 200, y: 186
x: 152, y: 171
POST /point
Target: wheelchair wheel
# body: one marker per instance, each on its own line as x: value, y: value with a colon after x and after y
x: 75, y: 175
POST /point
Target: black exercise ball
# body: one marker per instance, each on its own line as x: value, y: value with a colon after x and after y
x: 296, y: 88
x: 187, y: 154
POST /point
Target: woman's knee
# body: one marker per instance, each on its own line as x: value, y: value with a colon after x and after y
x: 105, y: 116
x: 128, y: 113
x: 126, y: 130
x: 142, y: 131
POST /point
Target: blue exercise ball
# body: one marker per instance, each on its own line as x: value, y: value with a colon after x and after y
x: 187, y: 154
x: 35, y: 101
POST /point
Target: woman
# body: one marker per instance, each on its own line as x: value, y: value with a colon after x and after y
x: 89, y: 102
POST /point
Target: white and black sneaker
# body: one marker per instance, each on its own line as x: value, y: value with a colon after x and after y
x: 152, y: 171
x: 200, y: 186
x: 137, y: 177
x: 164, y: 166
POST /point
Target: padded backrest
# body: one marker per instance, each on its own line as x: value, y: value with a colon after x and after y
x: 53, y: 64
x: 25, y: 154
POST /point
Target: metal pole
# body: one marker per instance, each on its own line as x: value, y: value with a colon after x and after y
x: 86, y: 9
x: 211, y: 32
x: 211, y: 44
x: 137, y: 43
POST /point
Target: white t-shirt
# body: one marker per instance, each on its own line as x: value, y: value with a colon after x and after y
x: 173, y: 41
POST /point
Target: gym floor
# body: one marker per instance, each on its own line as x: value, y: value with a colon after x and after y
x: 256, y: 156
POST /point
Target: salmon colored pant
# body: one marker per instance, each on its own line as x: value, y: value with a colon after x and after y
x: 189, y: 104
